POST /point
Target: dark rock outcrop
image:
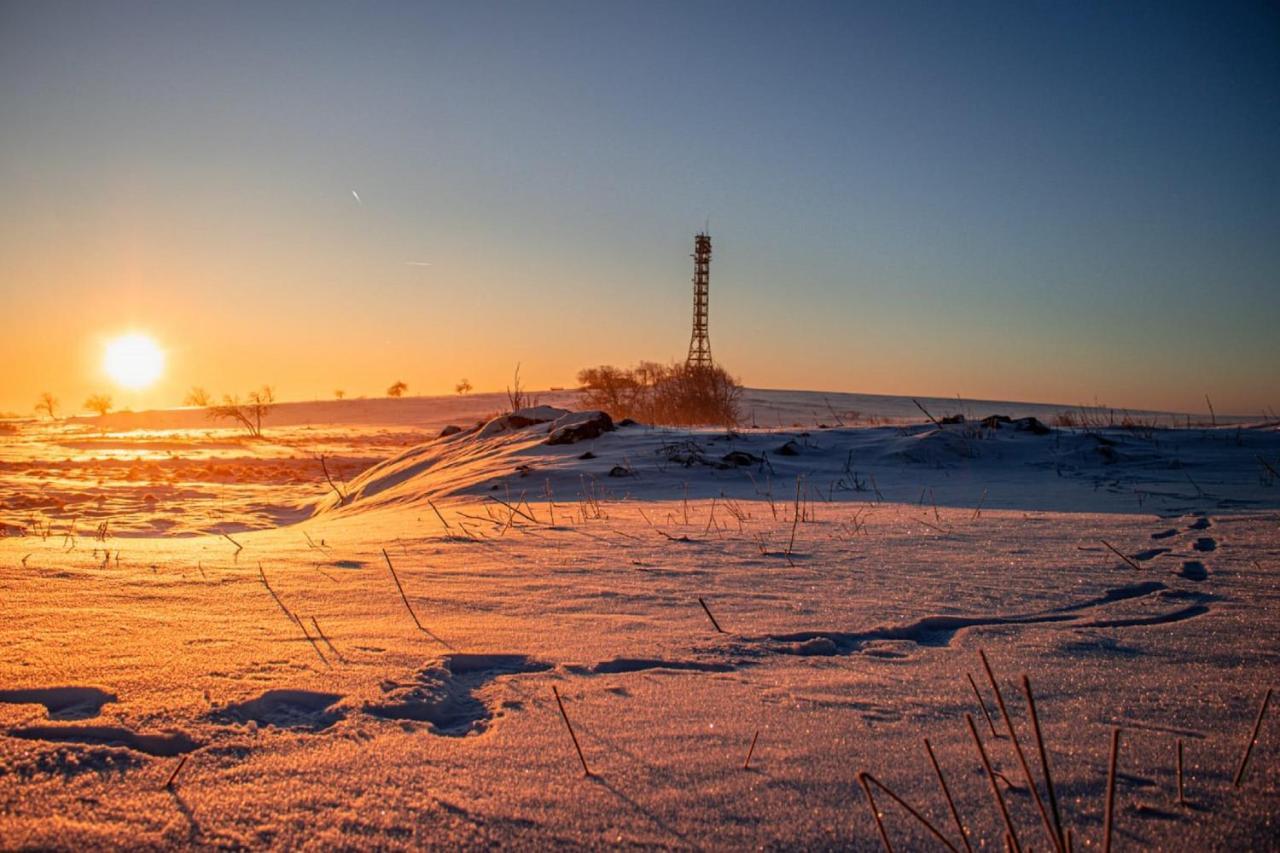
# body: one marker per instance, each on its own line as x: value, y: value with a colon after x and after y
x: 579, y: 426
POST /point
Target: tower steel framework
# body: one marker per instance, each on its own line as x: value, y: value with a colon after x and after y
x: 700, y: 343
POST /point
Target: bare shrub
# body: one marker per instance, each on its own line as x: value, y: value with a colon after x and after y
x: 338, y: 394
x: 517, y: 397
x: 249, y: 413
x: 463, y: 387
x: 100, y: 403
x: 675, y: 394
x: 397, y: 389
x: 198, y: 397
x: 48, y: 404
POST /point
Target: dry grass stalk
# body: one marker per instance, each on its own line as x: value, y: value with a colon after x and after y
x: 1117, y: 552
x: 982, y: 704
x: 977, y: 511
x: 995, y: 788
x: 746, y: 765
x: 875, y: 813
x: 926, y: 413
x: 1253, y: 738
x: 865, y: 778
x: 287, y: 612
x: 515, y: 510
x: 1182, y: 800
x: 586, y: 770
x: 946, y: 792
x: 324, y: 466
x: 1044, y: 761
x: 312, y: 641
x: 709, y: 616
x: 1111, y: 790
x: 1054, y: 839
x: 173, y: 777
x: 447, y: 529
x: 331, y: 646
x: 403, y: 597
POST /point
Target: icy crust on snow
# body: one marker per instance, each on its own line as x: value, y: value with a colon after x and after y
x: 966, y: 464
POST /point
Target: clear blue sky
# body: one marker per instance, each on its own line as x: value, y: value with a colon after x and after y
x: 1063, y: 202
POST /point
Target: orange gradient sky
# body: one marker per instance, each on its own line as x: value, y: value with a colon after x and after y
x: 1055, y: 206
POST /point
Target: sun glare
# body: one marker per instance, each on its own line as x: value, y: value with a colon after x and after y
x: 134, y: 361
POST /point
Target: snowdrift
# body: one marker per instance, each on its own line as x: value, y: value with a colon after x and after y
x: 995, y: 462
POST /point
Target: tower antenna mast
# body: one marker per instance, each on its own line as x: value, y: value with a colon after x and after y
x: 699, y: 342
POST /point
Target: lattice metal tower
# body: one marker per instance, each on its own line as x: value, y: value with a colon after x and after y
x: 699, y: 343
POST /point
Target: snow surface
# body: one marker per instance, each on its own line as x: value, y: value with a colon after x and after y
x: 321, y: 700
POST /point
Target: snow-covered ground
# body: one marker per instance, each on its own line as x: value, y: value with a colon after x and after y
x: 319, y: 698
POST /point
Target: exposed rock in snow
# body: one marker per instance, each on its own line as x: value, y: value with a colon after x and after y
x: 1027, y: 424
x: 739, y: 458
x: 451, y: 429
x: 580, y: 426
x: 521, y: 419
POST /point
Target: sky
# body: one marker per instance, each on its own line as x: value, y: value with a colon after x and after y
x: 1052, y: 202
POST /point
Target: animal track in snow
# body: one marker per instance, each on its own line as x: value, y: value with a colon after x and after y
x: 285, y: 709
x: 443, y: 694
x: 163, y: 744
x: 1194, y: 570
x: 62, y: 703
x: 1206, y: 544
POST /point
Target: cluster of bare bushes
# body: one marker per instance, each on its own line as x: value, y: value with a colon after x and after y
x: 671, y: 394
x: 248, y: 412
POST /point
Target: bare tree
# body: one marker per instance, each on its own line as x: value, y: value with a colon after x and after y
x: 249, y: 413
x: 198, y: 397
x: 339, y: 394
x: 47, y: 404
x: 100, y: 403
x: 397, y: 389
x: 463, y: 387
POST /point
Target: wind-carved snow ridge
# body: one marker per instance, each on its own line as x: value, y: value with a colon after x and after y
x: 939, y: 631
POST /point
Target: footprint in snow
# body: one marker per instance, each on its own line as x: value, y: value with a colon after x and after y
x: 1194, y: 570
x: 62, y: 703
x: 163, y: 744
x: 443, y: 694
x: 285, y: 709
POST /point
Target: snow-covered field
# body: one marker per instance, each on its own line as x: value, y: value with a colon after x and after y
x: 372, y: 663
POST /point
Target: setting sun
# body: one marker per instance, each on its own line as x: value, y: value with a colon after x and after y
x: 134, y: 361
